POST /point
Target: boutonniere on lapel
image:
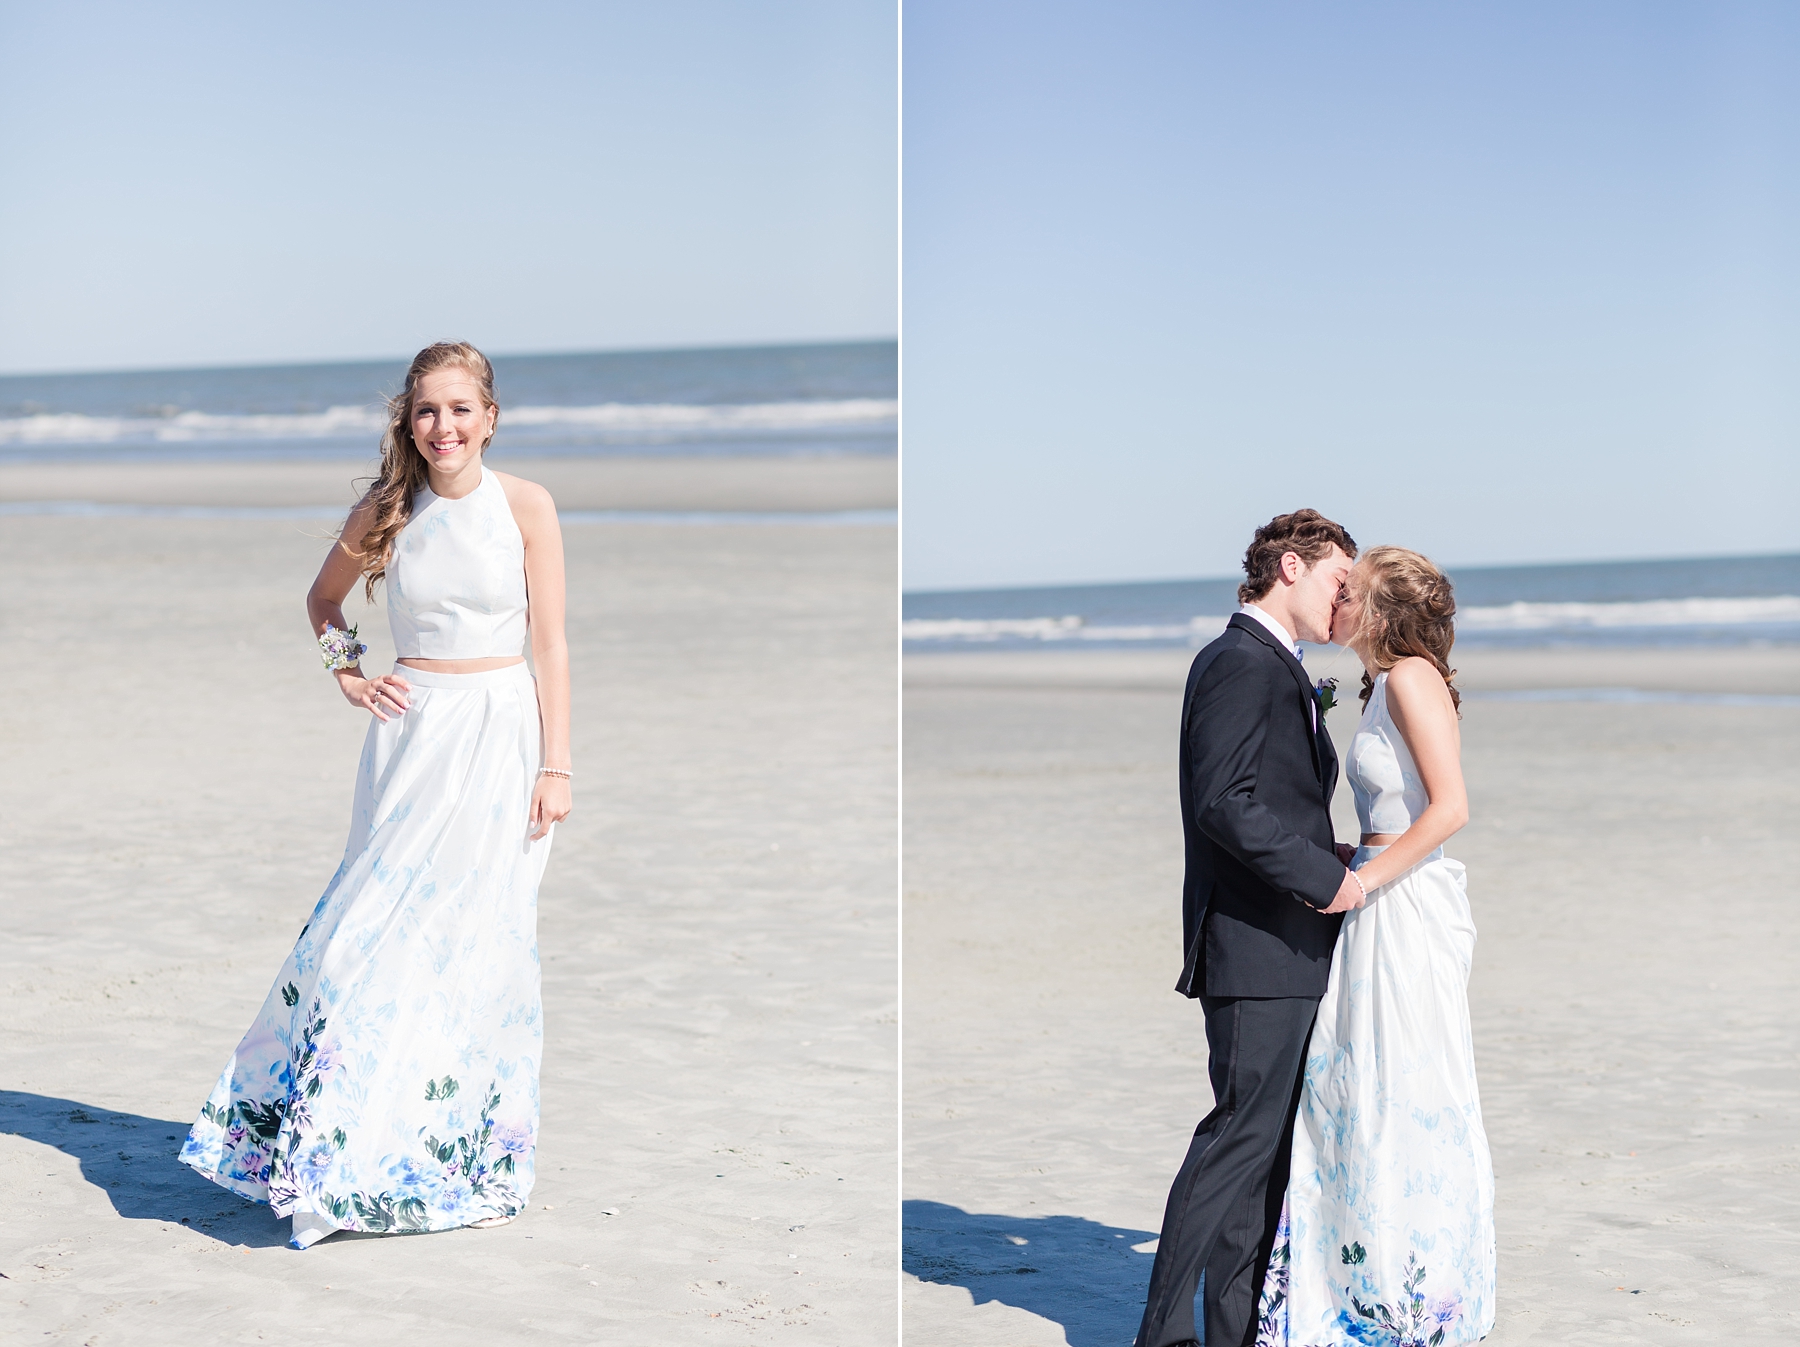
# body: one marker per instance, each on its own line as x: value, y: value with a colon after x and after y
x: 1325, y: 693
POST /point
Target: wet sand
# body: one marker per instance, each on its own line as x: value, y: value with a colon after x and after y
x: 1634, y: 997
x: 725, y: 483
x: 717, y: 931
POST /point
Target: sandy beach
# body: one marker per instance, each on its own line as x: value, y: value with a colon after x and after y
x: 717, y: 923
x: 722, y: 483
x: 1634, y: 1001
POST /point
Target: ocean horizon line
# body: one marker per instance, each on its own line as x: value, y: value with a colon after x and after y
x: 1745, y: 597
x: 360, y: 361
x: 1236, y: 578
x: 780, y: 399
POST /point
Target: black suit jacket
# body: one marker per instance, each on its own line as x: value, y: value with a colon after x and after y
x: 1256, y: 784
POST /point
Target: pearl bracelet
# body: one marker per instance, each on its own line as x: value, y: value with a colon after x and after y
x: 1360, y: 885
x: 556, y: 771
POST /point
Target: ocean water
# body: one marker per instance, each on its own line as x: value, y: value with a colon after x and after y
x: 839, y: 398
x: 1707, y: 601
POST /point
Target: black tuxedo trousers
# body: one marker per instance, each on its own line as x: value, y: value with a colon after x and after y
x: 1257, y: 773
x: 1226, y: 1200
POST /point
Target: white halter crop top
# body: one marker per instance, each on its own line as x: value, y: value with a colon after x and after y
x: 456, y: 580
x: 1383, y: 776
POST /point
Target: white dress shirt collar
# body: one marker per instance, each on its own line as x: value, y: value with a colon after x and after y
x: 1281, y: 632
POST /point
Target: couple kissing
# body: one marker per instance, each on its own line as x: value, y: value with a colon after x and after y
x: 1340, y: 1191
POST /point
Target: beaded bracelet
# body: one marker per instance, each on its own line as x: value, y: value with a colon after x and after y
x: 556, y: 771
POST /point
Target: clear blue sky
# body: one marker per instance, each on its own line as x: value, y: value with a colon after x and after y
x: 189, y: 183
x: 1505, y: 282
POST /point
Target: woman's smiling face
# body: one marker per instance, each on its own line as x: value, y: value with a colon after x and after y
x: 450, y: 423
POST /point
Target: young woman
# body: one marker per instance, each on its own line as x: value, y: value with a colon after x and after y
x: 390, y: 1081
x: 1388, y: 1230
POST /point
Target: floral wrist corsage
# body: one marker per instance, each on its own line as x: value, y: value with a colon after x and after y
x: 340, y: 649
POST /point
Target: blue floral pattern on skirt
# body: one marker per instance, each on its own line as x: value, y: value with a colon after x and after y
x: 1387, y: 1233
x: 390, y: 1080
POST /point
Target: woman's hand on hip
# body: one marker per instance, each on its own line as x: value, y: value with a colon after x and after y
x: 551, y: 801
x: 382, y: 696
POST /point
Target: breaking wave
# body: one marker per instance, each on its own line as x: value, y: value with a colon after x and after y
x: 605, y: 419
x: 1646, y: 615
x: 1055, y: 629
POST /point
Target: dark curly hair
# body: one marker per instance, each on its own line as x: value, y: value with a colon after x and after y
x: 1306, y: 533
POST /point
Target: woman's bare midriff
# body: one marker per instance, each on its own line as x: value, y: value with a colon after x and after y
x: 1380, y: 839
x: 456, y: 666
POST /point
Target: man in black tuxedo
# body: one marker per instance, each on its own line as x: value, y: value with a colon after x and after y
x: 1260, y: 915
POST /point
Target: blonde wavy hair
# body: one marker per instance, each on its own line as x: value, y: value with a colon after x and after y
x: 403, y: 469
x: 1408, y: 608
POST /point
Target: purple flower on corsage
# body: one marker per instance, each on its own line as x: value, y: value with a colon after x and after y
x: 340, y: 649
x: 1325, y: 693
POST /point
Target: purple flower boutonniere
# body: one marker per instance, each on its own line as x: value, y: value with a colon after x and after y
x: 1325, y: 691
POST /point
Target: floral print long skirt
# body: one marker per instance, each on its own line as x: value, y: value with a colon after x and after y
x: 390, y: 1081
x: 1387, y: 1235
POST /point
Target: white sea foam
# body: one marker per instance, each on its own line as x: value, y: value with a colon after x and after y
x: 65, y: 428
x: 1054, y: 629
x: 847, y: 412
x: 1648, y: 613
x: 1521, y: 617
x: 75, y: 428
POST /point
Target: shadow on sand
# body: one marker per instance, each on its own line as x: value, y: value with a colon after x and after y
x: 131, y: 1159
x: 1075, y: 1272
